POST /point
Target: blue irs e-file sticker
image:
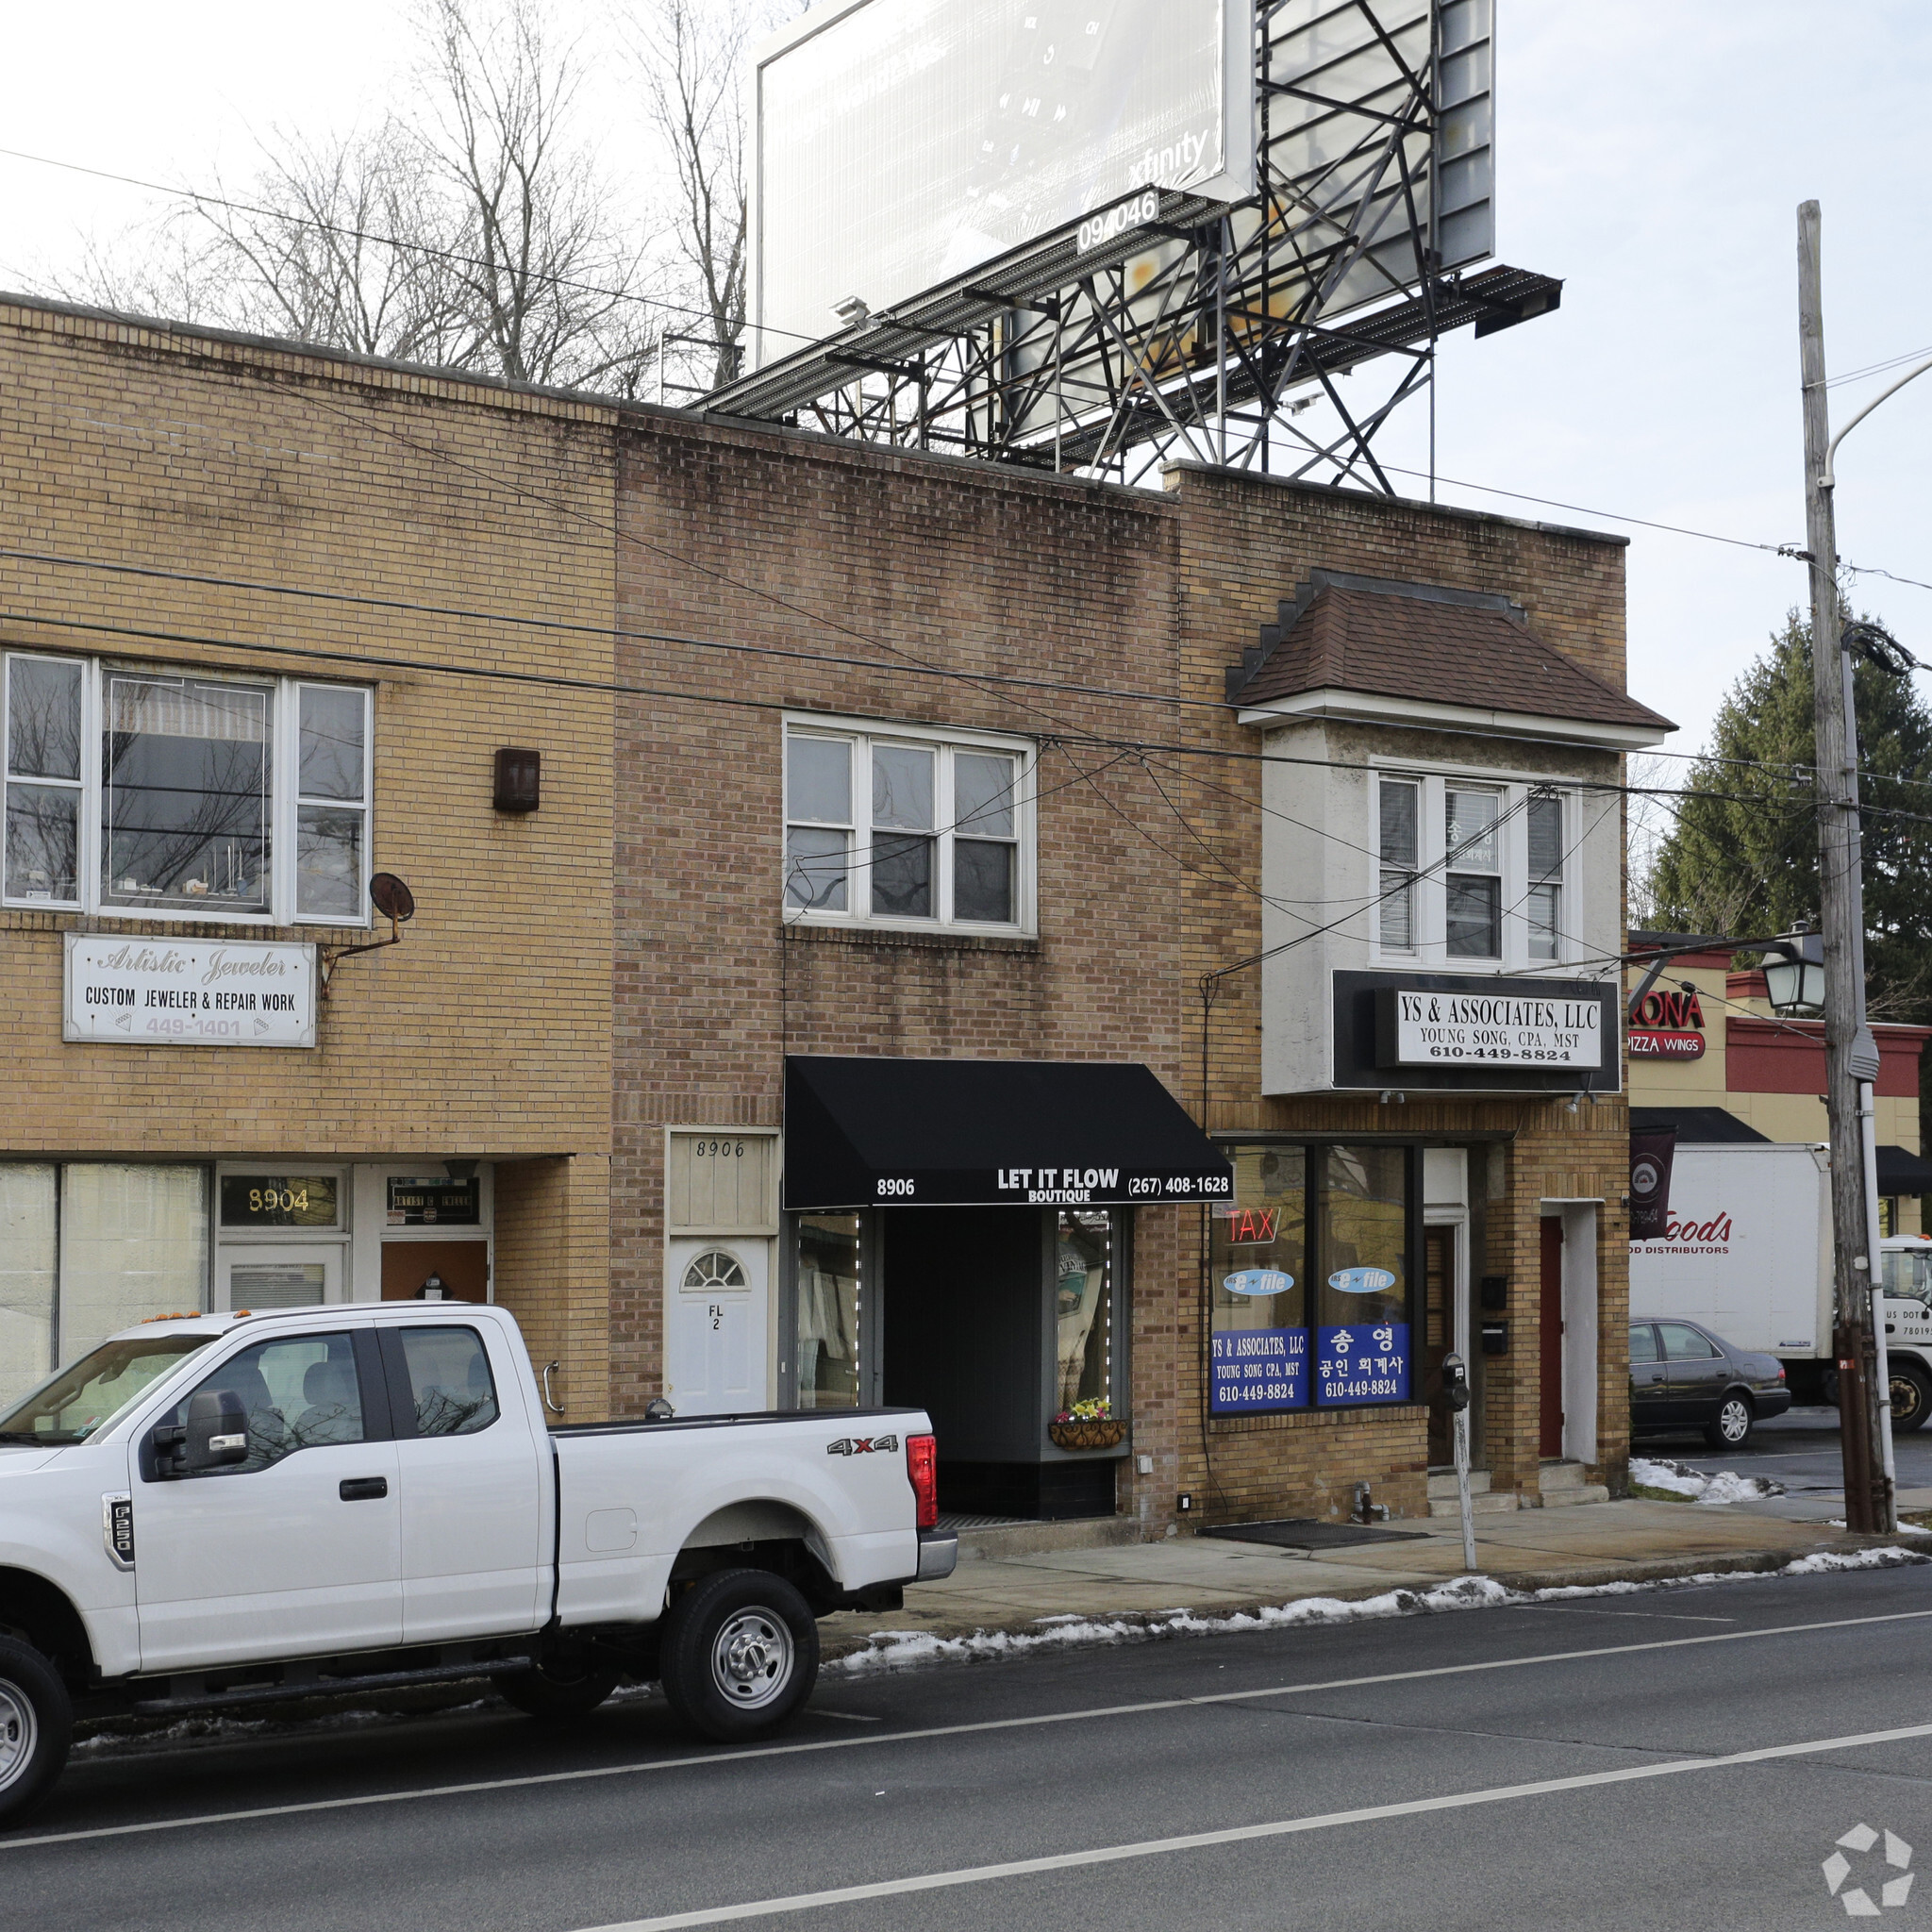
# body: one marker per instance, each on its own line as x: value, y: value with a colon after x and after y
x: 1253, y: 1370
x: 1363, y: 1362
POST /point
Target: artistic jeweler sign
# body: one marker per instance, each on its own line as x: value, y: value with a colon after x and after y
x: 142, y: 990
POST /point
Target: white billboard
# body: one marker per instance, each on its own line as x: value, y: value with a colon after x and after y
x: 901, y: 144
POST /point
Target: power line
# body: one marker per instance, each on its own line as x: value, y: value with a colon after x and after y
x: 201, y: 197
x: 618, y: 688
x: 382, y: 240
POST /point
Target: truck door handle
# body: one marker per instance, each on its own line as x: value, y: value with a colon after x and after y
x: 364, y: 1489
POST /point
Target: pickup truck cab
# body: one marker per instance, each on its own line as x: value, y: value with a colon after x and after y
x: 213, y: 1510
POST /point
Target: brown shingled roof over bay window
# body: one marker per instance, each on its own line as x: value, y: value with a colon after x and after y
x: 1420, y: 642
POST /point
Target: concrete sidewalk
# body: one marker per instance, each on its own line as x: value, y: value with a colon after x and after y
x: 1008, y: 1580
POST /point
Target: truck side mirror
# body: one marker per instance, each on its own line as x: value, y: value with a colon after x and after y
x: 1454, y: 1382
x: 216, y: 1436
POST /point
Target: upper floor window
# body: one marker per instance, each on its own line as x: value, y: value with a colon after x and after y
x: 1471, y: 872
x: 907, y: 828
x: 211, y: 798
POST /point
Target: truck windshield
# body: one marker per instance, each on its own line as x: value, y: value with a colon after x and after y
x: 88, y: 1394
x: 1906, y: 1272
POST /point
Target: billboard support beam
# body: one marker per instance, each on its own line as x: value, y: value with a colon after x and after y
x: 1205, y: 330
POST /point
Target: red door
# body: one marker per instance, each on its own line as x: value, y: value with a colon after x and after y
x: 1552, y: 1328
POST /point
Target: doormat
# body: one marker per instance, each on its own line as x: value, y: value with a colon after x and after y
x: 1310, y: 1533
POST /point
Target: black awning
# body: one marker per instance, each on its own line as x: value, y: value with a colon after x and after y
x: 1902, y: 1171
x: 869, y: 1133
x: 1697, y: 1126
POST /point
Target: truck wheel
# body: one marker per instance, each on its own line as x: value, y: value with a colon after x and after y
x: 1732, y: 1428
x: 558, y: 1688
x: 1911, y: 1396
x: 741, y: 1654
x: 36, y: 1728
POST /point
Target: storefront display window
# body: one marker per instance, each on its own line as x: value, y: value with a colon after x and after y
x: 1312, y: 1279
x: 828, y: 1305
x: 1361, y: 1326
x: 28, y: 1247
x: 1259, y: 1336
x: 1083, y: 1308
x: 134, y: 1242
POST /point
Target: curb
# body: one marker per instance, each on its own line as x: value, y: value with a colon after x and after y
x: 1111, y: 1626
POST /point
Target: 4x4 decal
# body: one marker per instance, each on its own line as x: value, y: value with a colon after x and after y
x: 862, y: 1445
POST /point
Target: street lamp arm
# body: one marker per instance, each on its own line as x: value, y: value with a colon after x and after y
x: 1829, y: 479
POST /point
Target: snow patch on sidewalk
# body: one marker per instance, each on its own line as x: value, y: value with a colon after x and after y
x: 898, y: 1650
x: 1682, y: 1481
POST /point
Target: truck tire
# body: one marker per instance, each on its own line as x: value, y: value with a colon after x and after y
x: 36, y: 1728
x: 558, y: 1690
x: 1735, y: 1416
x: 741, y: 1654
x: 1911, y: 1395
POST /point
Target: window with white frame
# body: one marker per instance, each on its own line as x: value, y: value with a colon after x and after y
x: 1470, y: 871
x: 212, y: 798
x: 906, y: 828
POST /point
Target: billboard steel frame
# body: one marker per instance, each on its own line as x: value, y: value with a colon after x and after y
x: 1207, y: 332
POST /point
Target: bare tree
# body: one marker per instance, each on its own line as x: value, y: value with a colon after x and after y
x: 551, y: 281
x: 694, y: 56
x: 339, y: 243
x: 476, y: 230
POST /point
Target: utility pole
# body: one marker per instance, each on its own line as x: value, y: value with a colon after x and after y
x: 1851, y: 1055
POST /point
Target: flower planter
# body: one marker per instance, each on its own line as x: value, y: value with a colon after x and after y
x: 1098, y: 1435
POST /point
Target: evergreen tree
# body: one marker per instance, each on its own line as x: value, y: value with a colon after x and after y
x: 1742, y: 856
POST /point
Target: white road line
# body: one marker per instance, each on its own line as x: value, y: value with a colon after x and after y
x: 535, y: 1780
x: 1649, y: 1616
x: 1241, y: 1834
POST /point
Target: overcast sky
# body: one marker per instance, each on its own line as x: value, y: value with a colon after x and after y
x: 1651, y: 154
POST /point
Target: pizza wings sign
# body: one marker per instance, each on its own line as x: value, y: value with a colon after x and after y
x: 1497, y: 1028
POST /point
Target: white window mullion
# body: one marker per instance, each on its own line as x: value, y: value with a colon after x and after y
x: 91, y: 753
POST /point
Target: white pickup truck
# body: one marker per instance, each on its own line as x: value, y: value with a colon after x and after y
x: 224, y: 1509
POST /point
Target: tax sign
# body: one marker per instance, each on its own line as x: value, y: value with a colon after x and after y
x: 1433, y: 1029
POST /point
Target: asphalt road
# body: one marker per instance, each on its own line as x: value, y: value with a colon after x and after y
x: 1680, y: 1758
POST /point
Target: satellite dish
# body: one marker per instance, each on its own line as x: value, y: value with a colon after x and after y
x: 391, y: 897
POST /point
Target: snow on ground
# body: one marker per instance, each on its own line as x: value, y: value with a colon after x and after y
x: 892, y: 1650
x: 1682, y: 1481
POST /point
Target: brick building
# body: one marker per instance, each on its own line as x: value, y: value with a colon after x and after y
x: 1710, y: 1060
x: 180, y: 903
x: 905, y: 826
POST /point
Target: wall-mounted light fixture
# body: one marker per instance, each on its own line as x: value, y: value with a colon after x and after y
x: 518, y: 779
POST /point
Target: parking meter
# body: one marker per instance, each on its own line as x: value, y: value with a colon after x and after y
x: 1456, y: 1393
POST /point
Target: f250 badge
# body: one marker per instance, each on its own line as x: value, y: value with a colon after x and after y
x: 862, y: 1445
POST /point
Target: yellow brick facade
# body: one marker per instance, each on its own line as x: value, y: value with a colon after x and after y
x: 486, y: 1034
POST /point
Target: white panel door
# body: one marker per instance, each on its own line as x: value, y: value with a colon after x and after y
x: 717, y: 1316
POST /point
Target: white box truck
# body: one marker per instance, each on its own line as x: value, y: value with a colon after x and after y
x: 1747, y: 1253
